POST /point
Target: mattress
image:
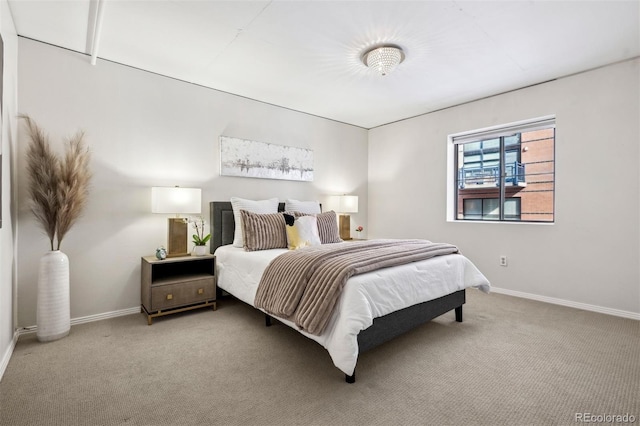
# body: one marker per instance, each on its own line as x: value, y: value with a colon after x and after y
x: 365, y: 297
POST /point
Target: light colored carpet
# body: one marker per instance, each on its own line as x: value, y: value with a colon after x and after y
x: 511, y: 362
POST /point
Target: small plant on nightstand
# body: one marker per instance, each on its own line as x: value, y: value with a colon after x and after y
x: 199, y: 239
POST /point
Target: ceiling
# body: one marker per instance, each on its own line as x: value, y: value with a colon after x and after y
x: 306, y: 55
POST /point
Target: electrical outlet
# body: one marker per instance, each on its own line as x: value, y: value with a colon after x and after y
x: 503, y: 260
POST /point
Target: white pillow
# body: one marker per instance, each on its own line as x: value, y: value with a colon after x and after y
x: 303, y: 232
x: 308, y: 207
x: 263, y: 206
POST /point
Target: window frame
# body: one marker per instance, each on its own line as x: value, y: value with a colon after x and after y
x: 498, y: 131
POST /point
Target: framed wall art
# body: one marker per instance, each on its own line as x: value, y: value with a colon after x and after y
x: 1, y: 116
x: 245, y: 158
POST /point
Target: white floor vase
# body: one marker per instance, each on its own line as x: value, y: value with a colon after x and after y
x: 53, y: 310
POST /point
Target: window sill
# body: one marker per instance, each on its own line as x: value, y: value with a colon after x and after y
x: 501, y: 222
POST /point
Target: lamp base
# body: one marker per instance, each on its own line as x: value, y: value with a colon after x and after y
x: 345, y: 226
x: 177, y: 239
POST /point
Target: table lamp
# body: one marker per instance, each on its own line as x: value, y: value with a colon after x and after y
x: 346, y: 204
x: 176, y: 201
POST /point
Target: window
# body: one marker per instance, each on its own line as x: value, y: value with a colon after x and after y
x: 505, y: 173
x: 489, y: 208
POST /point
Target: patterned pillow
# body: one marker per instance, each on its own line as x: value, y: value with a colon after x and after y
x: 328, y: 227
x: 301, y: 231
x: 263, y: 206
x: 263, y: 231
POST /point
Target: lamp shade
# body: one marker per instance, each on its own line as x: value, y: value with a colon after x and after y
x: 347, y: 204
x: 176, y: 200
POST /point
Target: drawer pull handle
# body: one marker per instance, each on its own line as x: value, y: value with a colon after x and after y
x: 169, y: 296
x: 200, y: 291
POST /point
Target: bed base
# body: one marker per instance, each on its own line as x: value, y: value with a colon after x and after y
x: 400, y: 322
x: 383, y: 328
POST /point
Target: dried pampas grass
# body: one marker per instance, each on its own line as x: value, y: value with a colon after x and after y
x: 73, y: 185
x: 58, y: 189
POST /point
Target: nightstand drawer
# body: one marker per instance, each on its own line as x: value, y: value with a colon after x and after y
x: 171, y: 295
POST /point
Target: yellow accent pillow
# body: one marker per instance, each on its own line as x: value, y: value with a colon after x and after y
x: 303, y: 232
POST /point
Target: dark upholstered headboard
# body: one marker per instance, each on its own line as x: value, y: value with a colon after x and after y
x: 221, y: 223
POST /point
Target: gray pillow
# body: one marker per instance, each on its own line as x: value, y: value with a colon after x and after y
x: 263, y: 231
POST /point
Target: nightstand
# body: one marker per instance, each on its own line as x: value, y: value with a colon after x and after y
x: 177, y: 284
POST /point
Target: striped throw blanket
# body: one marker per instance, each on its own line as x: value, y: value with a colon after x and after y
x: 304, y: 285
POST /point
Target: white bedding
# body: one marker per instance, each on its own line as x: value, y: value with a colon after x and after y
x: 364, y: 297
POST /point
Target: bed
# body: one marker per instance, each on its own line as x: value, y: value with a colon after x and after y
x: 370, y: 311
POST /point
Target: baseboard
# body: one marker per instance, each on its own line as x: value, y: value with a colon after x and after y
x: 106, y: 315
x: 4, y: 362
x: 569, y: 303
x: 89, y: 318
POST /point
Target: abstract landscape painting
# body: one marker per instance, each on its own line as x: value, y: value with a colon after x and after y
x: 241, y: 157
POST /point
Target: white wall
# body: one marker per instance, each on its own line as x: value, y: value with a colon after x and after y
x: 590, y: 255
x: 9, y: 138
x: 146, y: 130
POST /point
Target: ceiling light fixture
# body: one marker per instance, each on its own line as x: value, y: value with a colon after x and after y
x: 383, y: 59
